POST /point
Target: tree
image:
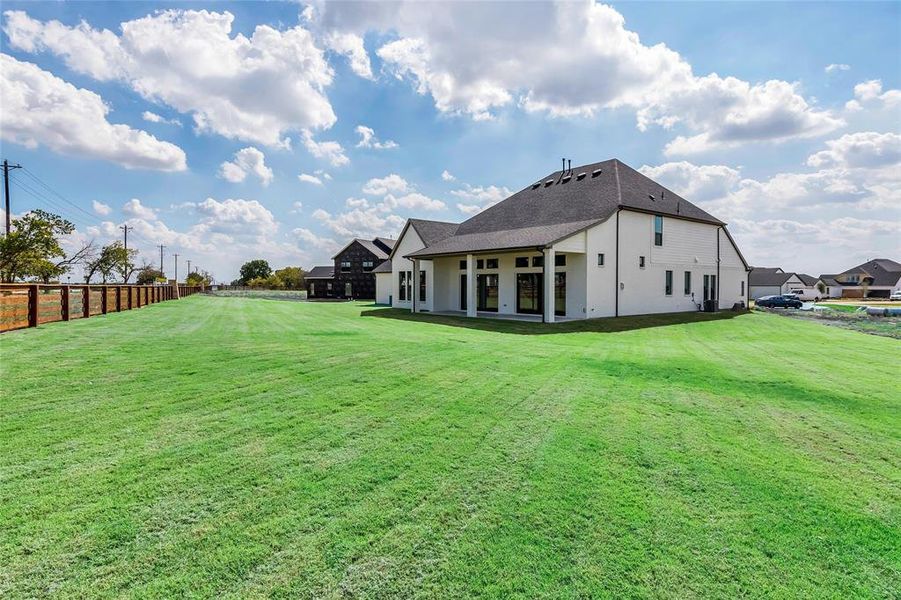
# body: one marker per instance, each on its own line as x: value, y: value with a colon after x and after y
x: 821, y: 287
x: 293, y: 277
x: 148, y: 275
x: 198, y: 278
x: 113, y: 258
x: 31, y: 246
x: 86, y: 253
x: 255, y: 269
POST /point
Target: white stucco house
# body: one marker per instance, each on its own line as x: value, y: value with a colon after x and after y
x: 600, y: 240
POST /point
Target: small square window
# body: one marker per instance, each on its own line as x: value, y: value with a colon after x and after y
x: 522, y: 262
x: 345, y: 266
x: 601, y: 259
x: 641, y: 262
x: 368, y: 265
x: 480, y: 264
x: 463, y: 265
x: 491, y: 263
x: 559, y: 260
x: 537, y: 261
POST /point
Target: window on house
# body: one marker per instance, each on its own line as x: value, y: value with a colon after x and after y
x: 522, y: 262
x: 480, y: 264
x: 402, y: 286
x: 328, y: 286
x: 668, y: 287
x: 537, y: 261
x: 601, y: 259
x: 687, y: 283
x: 345, y: 266
x: 422, y: 286
x: 641, y: 262
x: 463, y: 265
x: 559, y: 260
x: 368, y: 265
x: 410, y: 285
x: 491, y: 263
x: 658, y: 230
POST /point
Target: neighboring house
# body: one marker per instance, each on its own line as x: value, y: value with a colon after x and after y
x: 833, y: 287
x: 599, y: 240
x: 383, y: 283
x: 809, y: 288
x: 772, y: 281
x: 320, y: 282
x: 876, y: 278
x: 352, y: 276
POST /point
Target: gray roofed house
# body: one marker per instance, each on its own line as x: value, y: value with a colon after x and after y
x: 606, y: 229
x: 876, y: 278
x: 384, y: 267
x: 768, y: 276
x: 321, y: 272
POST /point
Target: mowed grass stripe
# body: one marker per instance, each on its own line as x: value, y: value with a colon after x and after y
x: 240, y: 447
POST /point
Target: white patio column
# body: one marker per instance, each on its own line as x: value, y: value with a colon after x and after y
x: 414, y: 304
x: 549, y: 285
x: 470, y: 286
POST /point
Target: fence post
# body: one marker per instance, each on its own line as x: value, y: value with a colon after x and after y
x: 64, y: 301
x: 33, y: 305
x: 87, y: 301
x: 103, y: 298
x: 118, y: 298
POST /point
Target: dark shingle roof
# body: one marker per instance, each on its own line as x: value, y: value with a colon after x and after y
x: 829, y: 280
x: 321, y: 272
x: 387, y: 244
x: 767, y: 276
x: 370, y: 245
x: 384, y: 267
x: 882, y: 270
x: 560, y: 204
x: 431, y: 232
x: 808, y: 280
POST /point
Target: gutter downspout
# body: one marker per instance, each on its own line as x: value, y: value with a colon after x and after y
x: 718, y: 267
x: 616, y: 283
x: 543, y: 258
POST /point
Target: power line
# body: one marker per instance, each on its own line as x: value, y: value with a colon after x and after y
x: 6, y: 169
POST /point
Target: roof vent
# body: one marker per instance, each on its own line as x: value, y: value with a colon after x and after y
x: 549, y: 182
x: 596, y: 172
x: 581, y: 175
x: 567, y: 178
x: 536, y: 184
x: 651, y: 196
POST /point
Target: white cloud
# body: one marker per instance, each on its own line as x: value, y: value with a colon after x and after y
x: 351, y: 46
x: 134, y: 208
x: 296, y: 207
x: 368, y: 139
x: 253, y: 88
x: 384, y: 185
x: 152, y: 117
x: 411, y: 201
x: 40, y: 109
x: 361, y: 222
x: 692, y: 182
x: 100, y: 208
x: 867, y: 149
x: 308, y: 238
x: 307, y: 178
x: 835, y: 67
x: 247, y: 161
x: 330, y: 151
x: 446, y: 176
x: 870, y: 92
x: 577, y: 58
x: 478, y: 198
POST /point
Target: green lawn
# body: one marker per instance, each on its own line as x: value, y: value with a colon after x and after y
x: 246, y: 448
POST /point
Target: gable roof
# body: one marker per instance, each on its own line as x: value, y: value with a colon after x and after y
x: 562, y: 203
x: 321, y: 272
x: 768, y: 276
x: 387, y: 244
x: 829, y: 280
x: 384, y: 267
x: 883, y: 271
x: 370, y: 245
x: 431, y: 232
x: 808, y: 280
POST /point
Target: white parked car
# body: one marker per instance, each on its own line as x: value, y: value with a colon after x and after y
x: 896, y: 295
x: 805, y: 295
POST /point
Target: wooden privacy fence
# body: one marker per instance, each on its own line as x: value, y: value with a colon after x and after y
x: 32, y: 304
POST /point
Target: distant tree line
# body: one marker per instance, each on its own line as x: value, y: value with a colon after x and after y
x: 257, y: 273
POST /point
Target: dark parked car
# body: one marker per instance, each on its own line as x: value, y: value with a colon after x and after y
x: 778, y: 302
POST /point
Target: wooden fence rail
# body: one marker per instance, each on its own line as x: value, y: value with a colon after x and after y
x: 32, y: 304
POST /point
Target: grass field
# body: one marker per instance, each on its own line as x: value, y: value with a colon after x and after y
x: 238, y: 447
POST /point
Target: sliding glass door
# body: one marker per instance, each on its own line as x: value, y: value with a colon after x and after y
x: 528, y: 293
x: 487, y: 293
x: 463, y: 292
x: 560, y: 294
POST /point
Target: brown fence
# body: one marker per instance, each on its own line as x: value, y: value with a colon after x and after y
x: 32, y: 304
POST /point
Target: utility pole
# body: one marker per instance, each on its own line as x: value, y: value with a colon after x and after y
x: 6, y: 168
x: 161, y: 258
x: 176, y: 267
x: 125, y: 228
x: 189, y: 267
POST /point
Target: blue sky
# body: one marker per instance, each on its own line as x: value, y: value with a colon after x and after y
x: 733, y: 105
